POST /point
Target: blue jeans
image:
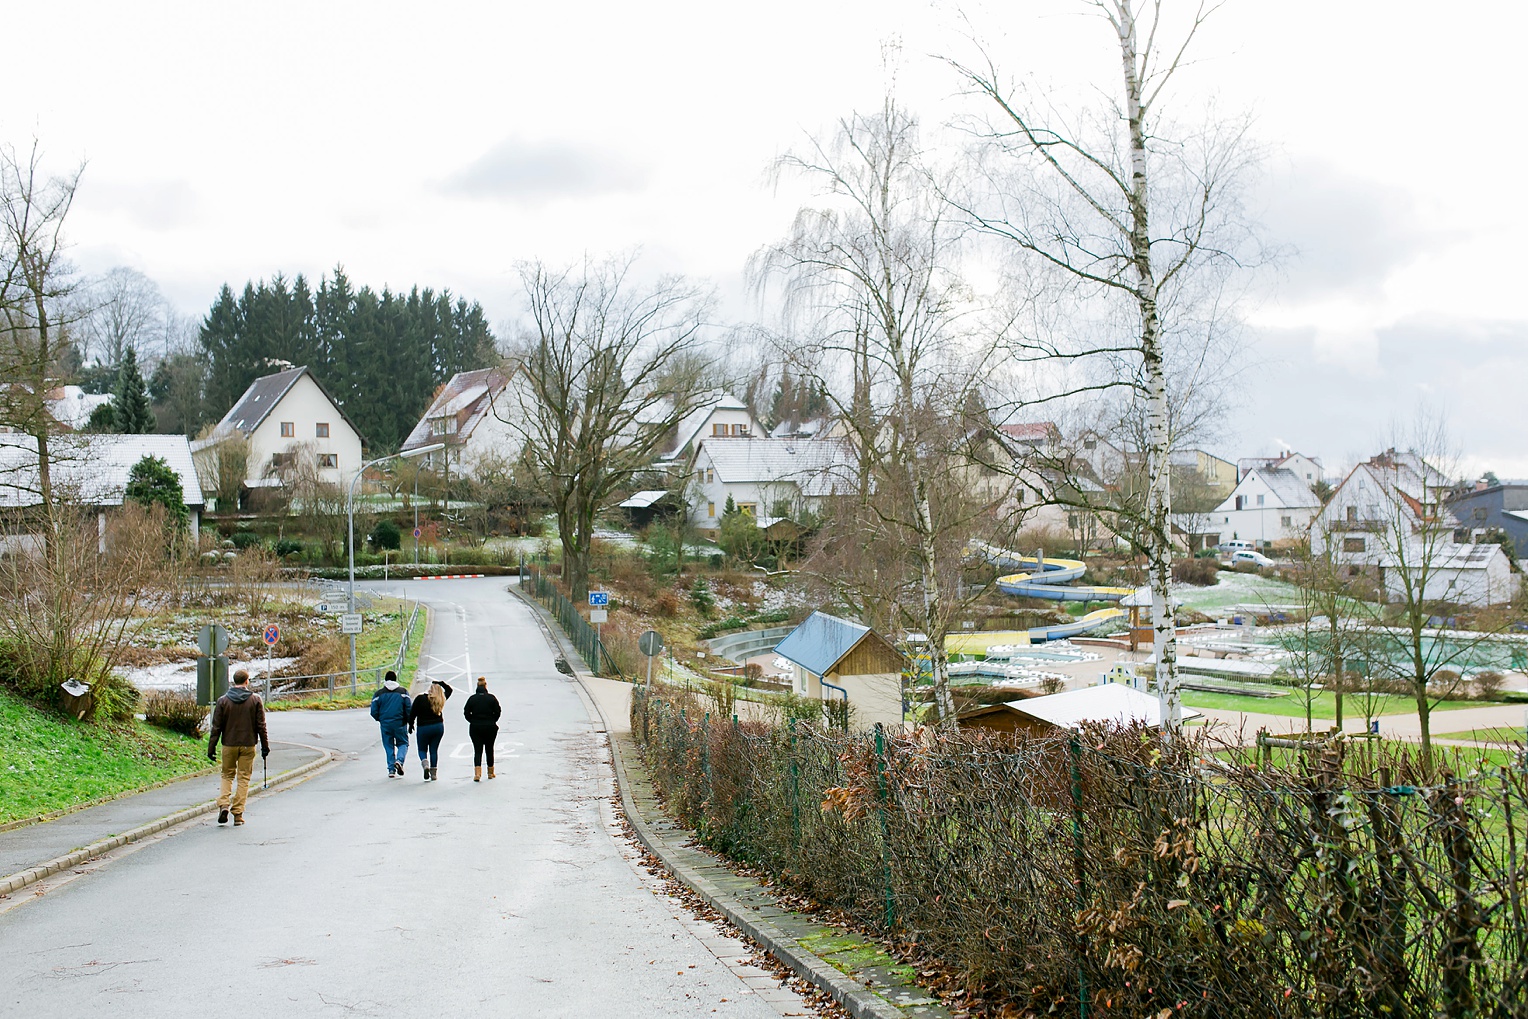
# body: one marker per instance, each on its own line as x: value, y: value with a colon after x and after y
x: 428, y: 740
x: 395, y: 743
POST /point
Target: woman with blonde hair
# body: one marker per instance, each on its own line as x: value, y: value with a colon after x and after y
x: 428, y: 715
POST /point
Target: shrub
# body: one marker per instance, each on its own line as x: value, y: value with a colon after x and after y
x: 1199, y: 572
x: 666, y: 604
x: 701, y: 597
x: 385, y: 536
x: 175, y: 710
x: 244, y: 539
x: 288, y: 547
x: 1487, y: 685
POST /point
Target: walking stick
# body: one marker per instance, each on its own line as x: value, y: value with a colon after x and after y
x: 265, y: 773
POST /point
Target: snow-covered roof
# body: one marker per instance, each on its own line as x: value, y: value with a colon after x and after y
x: 1289, y: 490
x: 642, y: 500
x: 71, y: 406
x: 1031, y: 431
x: 1108, y: 703
x: 467, y: 396
x: 816, y: 466
x: 91, y: 468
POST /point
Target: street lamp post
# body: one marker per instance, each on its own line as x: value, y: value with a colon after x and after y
x: 407, y: 454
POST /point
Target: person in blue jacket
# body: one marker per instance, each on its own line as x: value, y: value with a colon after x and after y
x: 390, y: 707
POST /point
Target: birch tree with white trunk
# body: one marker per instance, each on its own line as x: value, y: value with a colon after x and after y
x: 1132, y: 217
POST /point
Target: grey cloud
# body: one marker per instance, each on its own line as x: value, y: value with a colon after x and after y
x: 1342, y: 233
x: 154, y: 205
x: 522, y: 170
x: 1471, y: 372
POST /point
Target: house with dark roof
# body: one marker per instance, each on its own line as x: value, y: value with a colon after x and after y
x: 1268, y: 505
x: 768, y: 478
x: 839, y: 659
x: 1496, y: 505
x: 474, y: 413
x: 284, y: 415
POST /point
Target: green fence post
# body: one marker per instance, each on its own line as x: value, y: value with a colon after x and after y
x: 880, y: 776
x: 1078, y: 868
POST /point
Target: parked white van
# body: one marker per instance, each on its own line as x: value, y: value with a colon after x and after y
x: 1231, y: 547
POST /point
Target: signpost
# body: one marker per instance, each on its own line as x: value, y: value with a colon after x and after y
x: 650, y: 644
x: 598, y: 601
x: 350, y: 623
x: 271, y: 635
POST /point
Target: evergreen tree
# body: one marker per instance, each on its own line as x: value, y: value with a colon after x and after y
x: 151, y: 480
x: 130, y: 406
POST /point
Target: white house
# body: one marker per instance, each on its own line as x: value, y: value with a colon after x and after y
x: 285, y: 415
x: 1269, y: 504
x: 91, y: 471
x: 719, y: 416
x: 1388, y: 516
x: 1307, y: 468
x: 474, y: 415
x: 769, y: 478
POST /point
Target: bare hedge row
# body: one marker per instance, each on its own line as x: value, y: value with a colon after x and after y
x: 1110, y: 874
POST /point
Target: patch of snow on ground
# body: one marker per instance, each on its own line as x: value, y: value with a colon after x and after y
x: 182, y: 675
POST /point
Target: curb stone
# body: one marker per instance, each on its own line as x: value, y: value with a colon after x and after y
x: 16, y: 882
x: 686, y: 865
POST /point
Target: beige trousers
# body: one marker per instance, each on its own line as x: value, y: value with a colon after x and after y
x: 238, y: 762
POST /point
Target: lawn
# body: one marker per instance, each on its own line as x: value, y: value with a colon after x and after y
x: 1292, y: 705
x: 1499, y: 734
x: 1232, y: 588
x: 375, y: 648
x: 51, y: 763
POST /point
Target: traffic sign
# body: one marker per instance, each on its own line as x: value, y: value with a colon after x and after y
x: 212, y: 640
x: 650, y: 643
x: 272, y: 634
x: 417, y: 532
x: 599, y: 599
x: 350, y: 622
x: 323, y: 607
x: 598, y: 616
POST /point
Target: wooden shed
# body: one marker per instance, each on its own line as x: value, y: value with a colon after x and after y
x: 1104, y: 704
x: 838, y: 658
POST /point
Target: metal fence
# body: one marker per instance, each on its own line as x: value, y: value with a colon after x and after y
x: 342, y: 682
x: 584, y: 636
x: 1114, y: 874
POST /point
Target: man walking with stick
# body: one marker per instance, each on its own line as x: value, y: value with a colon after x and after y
x: 239, y: 720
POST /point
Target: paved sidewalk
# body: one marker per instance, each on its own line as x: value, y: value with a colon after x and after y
x: 35, y: 844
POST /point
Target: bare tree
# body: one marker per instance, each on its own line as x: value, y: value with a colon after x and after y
x: 36, y: 282
x: 1117, y: 211
x: 122, y: 309
x: 607, y: 372
x: 872, y: 273
x: 1389, y: 522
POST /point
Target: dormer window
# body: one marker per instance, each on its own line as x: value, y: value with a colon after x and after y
x: 718, y: 429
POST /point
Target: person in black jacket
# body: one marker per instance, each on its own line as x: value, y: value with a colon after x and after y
x: 482, y: 714
x: 428, y: 717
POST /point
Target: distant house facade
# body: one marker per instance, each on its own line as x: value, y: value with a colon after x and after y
x: 1307, y: 468
x: 1502, y: 505
x: 286, y: 415
x: 1269, y: 505
x: 768, y: 478
x: 719, y: 416
x: 475, y: 415
x: 838, y: 659
x: 1217, y: 475
x: 1388, y: 518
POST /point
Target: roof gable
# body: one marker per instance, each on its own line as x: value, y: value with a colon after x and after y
x: 93, y: 468
x: 816, y: 466
x: 469, y: 396
x: 821, y: 642
x: 251, y: 409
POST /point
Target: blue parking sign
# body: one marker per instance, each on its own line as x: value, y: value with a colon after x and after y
x: 599, y: 599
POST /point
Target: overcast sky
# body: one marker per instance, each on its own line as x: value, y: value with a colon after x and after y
x: 440, y: 144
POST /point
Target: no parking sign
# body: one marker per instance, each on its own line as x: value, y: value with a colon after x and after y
x: 272, y: 634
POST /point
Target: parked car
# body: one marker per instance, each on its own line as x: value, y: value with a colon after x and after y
x: 1232, y: 547
x: 1249, y: 556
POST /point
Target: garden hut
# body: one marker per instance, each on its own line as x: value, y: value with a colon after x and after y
x: 1105, y: 704
x: 837, y: 658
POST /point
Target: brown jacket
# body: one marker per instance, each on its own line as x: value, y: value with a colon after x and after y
x: 239, y: 717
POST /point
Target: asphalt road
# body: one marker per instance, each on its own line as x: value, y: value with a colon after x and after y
x: 357, y: 895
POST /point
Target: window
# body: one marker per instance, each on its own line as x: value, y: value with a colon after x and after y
x: 741, y: 430
x: 1285, y: 522
x: 280, y: 459
x: 1241, y: 501
x: 1089, y: 443
x: 443, y: 425
x: 288, y: 430
x: 321, y: 430
x: 330, y: 460
x: 710, y: 475
x: 1479, y: 513
x: 718, y: 429
x: 751, y: 508
x: 1352, y: 514
x: 710, y: 509
x: 1352, y: 544
x: 1260, y: 500
x: 1461, y: 536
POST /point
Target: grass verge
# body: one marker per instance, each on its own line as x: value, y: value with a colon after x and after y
x: 374, y: 648
x: 1498, y: 734
x: 51, y: 763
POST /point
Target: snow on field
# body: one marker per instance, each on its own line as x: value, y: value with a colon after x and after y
x: 182, y: 675
x: 1249, y: 590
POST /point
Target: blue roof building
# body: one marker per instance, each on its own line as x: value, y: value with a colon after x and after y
x: 839, y: 658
